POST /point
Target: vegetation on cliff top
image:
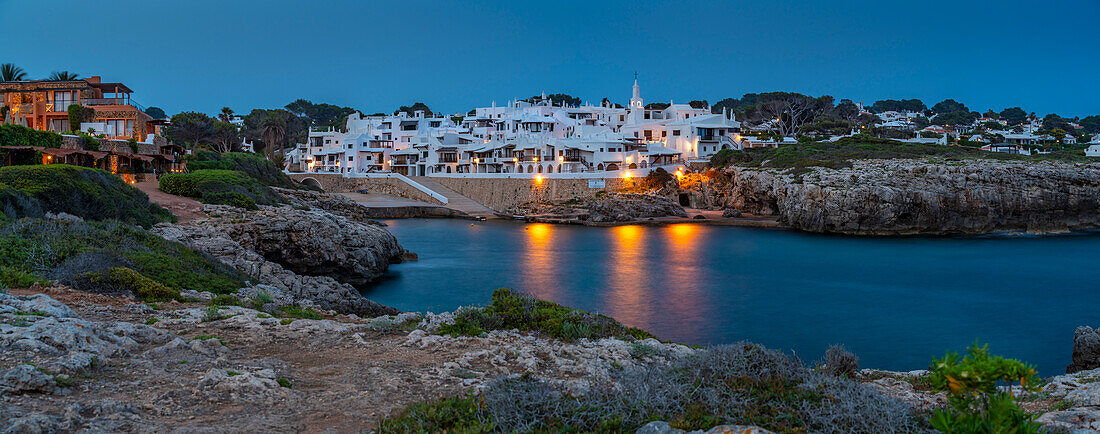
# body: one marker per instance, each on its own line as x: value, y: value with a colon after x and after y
x: 217, y: 186
x: 239, y: 179
x: 86, y: 255
x: 31, y: 191
x: 840, y: 154
x: 510, y: 310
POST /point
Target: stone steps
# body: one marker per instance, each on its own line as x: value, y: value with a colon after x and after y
x: 455, y: 200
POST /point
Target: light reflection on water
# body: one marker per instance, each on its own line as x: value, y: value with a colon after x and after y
x: 895, y: 301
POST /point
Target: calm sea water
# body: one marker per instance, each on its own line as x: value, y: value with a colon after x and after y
x: 895, y: 302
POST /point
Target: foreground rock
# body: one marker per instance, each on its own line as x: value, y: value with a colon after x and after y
x: 311, y: 242
x: 339, y: 204
x: 250, y: 372
x: 919, y: 197
x: 282, y: 284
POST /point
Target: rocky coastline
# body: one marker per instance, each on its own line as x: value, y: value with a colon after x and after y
x: 918, y: 197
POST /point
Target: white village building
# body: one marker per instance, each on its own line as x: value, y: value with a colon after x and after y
x: 533, y: 136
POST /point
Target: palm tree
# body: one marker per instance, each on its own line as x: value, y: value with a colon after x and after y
x: 226, y: 114
x: 10, y: 72
x: 63, y: 76
x: 273, y: 129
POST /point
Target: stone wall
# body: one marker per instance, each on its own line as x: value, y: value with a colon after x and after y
x: 77, y: 142
x: 335, y: 183
x: 501, y: 194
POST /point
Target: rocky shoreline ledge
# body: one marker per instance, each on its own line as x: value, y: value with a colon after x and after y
x: 73, y: 361
x: 908, y: 196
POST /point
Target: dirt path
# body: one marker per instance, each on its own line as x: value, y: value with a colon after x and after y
x: 184, y: 208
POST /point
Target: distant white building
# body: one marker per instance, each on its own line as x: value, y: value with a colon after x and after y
x: 524, y: 136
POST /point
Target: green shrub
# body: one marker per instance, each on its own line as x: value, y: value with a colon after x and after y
x: 283, y: 382
x: 93, y: 194
x: 976, y: 400
x: 12, y: 277
x: 224, y: 187
x: 18, y: 135
x: 65, y: 250
x: 121, y: 279
x: 510, y: 310
x: 206, y: 337
x: 208, y: 165
x: 458, y: 414
x: 295, y: 311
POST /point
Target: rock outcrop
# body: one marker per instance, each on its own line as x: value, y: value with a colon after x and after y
x: 608, y: 208
x: 1086, y: 350
x: 890, y: 197
x: 309, y: 241
x: 626, y: 207
x: 321, y: 291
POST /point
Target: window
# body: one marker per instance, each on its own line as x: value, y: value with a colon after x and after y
x: 622, y: 118
x: 675, y: 132
x: 119, y: 127
x: 350, y: 158
x: 664, y: 133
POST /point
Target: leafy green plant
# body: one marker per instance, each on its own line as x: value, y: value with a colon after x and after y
x: 979, y: 394
x: 283, y: 382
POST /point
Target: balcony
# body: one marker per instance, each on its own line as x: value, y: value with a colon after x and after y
x: 111, y: 101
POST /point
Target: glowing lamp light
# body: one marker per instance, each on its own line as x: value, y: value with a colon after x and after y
x: 475, y: 161
x: 679, y: 174
x: 515, y: 160
x: 627, y: 175
x: 536, y: 159
x: 561, y: 159
x: 538, y: 179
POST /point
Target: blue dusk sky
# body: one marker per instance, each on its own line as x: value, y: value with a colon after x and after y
x: 454, y: 55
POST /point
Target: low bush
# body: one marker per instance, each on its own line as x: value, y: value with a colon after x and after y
x: 125, y: 280
x: 93, y: 194
x: 64, y: 250
x: 840, y: 362
x: 510, y: 310
x: 251, y: 164
x: 224, y: 187
x: 733, y: 384
x: 300, y: 312
x: 979, y: 393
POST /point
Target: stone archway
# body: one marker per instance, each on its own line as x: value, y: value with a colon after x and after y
x: 612, y: 166
x: 599, y: 166
x: 633, y: 166
x: 312, y: 182
x: 540, y: 169
x: 644, y: 164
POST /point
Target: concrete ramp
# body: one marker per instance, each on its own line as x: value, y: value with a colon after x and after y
x: 455, y: 200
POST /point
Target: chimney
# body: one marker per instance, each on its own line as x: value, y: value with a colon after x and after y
x: 95, y: 79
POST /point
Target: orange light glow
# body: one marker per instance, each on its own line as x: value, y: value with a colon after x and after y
x: 626, y: 280
x: 627, y: 175
x: 536, y: 159
x: 515, y: 160
x: 538, y: 179
x: 679, y: 174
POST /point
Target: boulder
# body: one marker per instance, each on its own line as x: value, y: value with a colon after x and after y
x: 730, y: 213
x: 1086, y: 350
x: 26, y: 378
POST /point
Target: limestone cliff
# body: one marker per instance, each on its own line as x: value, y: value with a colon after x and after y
x: 891, y: 197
